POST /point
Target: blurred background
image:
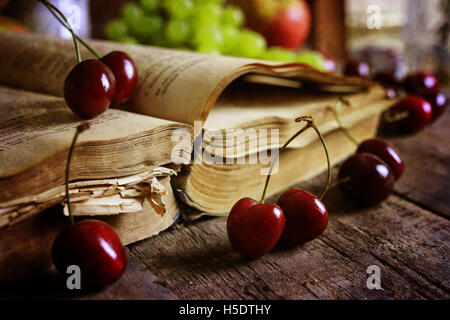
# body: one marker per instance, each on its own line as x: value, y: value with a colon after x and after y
x: 401, y: 36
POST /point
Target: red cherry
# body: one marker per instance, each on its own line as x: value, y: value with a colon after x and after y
x: 357, y: 68
x: 125, y: 73
x: 414, y: 114
x: 370, y: 179
x: 89, y: 88
x: 421, y: 83
x: 438, y: 101
x: 254, y: 228
x: 386, y: 152
x: 306, y: 217
x: 93, y: 246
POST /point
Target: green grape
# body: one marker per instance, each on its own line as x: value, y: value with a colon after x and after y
x: 177, y: 31
x: 149, y: 5
x: 203, y: 2
x: 311, y: 58
x: 178, y: 8
x: 279, y: 54
x: 207, y: 37
x: 116, y: 30
x: 131, y: 12
x: 232, y: 16
x: 129, y: 40
x: 250, y: 44
x: 208, y: 48
x: 230, y: 35
x: 206, y: 15
x: 146, y: 28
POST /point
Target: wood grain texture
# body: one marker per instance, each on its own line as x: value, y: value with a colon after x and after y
x: 426, y: 180
x: 136, y: 283
x: 408, y: 244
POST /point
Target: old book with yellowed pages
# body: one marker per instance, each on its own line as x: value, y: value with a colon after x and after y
x: 121, y: 171
x: 37, y: 131
x: 224, y: 100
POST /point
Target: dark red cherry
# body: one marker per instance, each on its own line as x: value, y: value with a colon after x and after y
x: 386, y: 152
x: 370, y: 180
x: 421, y: 83
x: 253, y: 228
x: 95, y: 248
x: 125, y: 73
x: 410, y: 114
x: 438, y: 101
x: 89, y: 88
x: 357, y: 68
x: 306, y: 217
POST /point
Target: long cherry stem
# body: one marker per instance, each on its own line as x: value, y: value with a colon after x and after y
x: 309, y: 124
x: 394, y: 117
x: 65, y: 23
x: 338, y: 120
x: 51, y: 8
x: 322, y: 140
x: 338, y: 182
x: 80, y: 129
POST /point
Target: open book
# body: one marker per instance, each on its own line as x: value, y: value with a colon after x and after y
x: 234, y: 112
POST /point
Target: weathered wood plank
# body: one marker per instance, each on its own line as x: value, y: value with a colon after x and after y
x: 136, y: 283
x: 409, y: 244
x: 426, y: 180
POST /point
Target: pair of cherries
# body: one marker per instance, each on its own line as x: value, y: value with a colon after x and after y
x: 368, y: 176
x: 425, y: 100
x: 254, y: 228
x: 94, y: 85
x: 89, y: 89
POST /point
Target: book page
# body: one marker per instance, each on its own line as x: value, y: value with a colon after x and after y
x: 35, y: 126
x: 177, y: 85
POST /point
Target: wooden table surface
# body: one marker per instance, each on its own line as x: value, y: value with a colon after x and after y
x: 407, y: 236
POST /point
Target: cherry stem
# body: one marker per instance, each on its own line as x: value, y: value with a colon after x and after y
x: 394, y: 117
x: 65, y: 23
x: 309, y: 124
x: 338, y: 120
x: 325, y: 189
x: 82, y: 127
x: 52, y: 10
x: 338, y: 182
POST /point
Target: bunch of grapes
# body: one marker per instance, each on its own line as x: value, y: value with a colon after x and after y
x: 207, y: 26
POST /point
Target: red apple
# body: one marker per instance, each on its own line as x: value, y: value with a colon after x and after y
x: 284, y: 23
